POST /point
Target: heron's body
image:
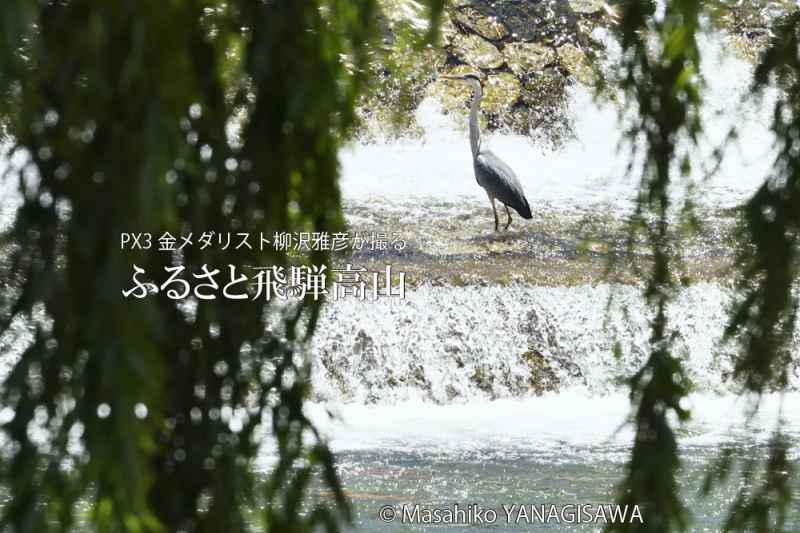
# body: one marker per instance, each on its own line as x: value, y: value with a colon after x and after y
x: 500, y: 182
x: 491, y: 172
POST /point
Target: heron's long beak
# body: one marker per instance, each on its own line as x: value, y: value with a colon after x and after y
x: 451, y: 77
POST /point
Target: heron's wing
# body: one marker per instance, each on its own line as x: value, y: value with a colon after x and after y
x: 500, y: 182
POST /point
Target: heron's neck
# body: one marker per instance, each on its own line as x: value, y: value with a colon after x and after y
x: 474, y: 126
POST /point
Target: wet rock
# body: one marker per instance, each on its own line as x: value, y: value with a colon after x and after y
x: 363, y: 345
x: 337, y: 367
x: 545, y: 107
x: 500, y: 92
x: 418, y: 376
x: 486, y: 26
x: 586, y: 6
x: 753, y: 18
x: 392, y: 381
x: 541, y: 332
x: 544, y: 343
x: 517, y: 37
x: 543, y: 87
x: 478, y: 52
x: 542, y: 20
x: 483, y: 378
x: 448, y: 30
x: 451, y: 94
x: 526, y: 58
x: 747, y: 48
x: 451, y: 392
x: 576, y: 62
x: 543, y: 378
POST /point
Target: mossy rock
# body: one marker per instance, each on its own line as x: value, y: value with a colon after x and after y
x: 477, y: 51
x: 586, y: 6
x: 500, y: 92
x: 544, y: 88
x: 748, y: 48
x: 525, y: 59
x: 542, y: 376
x: 483, y: 380
x: 418, y: 375
x: 531, y: 21
x: 484, y: 25
x: 451, y: 94
x: 447, y: 30
x: 575, y: 61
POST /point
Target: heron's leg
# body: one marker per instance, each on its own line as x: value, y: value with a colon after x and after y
x: 509, y: 217
x: 496, y: 220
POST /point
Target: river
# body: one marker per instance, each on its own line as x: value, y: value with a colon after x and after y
x: 494, y: 381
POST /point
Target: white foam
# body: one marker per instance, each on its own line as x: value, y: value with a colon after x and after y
x: 587, y: 171
x: 570, y: 419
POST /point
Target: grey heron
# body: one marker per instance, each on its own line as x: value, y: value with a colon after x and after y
x: 491, y: 172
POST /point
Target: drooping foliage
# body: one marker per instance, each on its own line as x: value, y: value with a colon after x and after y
x: 764, y: 316
x: 660, y: 61
x: 195, y: 116
x: 661, y: 82
x: 182, y: 118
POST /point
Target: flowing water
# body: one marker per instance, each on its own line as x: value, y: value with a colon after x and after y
x: 499, y: 378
